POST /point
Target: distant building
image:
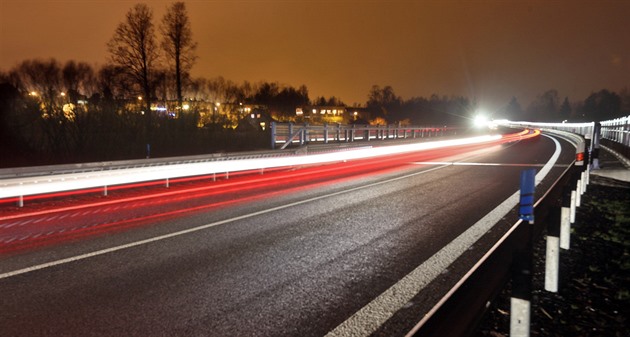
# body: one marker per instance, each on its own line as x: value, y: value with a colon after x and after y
x: 322, y: 114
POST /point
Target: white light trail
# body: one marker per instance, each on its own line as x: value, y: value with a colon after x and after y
x: 16, y: 187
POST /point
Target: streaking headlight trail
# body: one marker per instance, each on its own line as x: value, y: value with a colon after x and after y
x: 28, y: 186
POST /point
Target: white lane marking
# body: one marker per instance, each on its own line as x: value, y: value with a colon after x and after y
x: 369, y: 318
x: 9, y: 225
x: 22, y: 223
x: 195, y: 229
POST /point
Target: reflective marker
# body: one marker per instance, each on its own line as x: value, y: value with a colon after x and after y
x: 526, y: 209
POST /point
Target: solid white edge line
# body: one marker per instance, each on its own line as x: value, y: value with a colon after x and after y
x: 369, y: 318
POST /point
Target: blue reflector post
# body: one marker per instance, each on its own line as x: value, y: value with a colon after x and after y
x: 526, y: 210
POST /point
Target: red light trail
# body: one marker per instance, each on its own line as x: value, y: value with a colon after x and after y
x: 22, y: 229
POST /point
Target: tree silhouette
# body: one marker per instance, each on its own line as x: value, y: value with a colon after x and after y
x: 178, y: 44
x: 565, y: 109
x: 133, y: 48
x: 513, y: 110
x: 545, y: 107
x: 602, y: 105
x: 383, y: 102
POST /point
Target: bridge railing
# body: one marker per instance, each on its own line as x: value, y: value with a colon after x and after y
x: 616, y: 136
x: 284, y: 135
x: 617, y: 130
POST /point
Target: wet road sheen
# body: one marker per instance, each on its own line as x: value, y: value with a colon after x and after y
x: 274, y: 259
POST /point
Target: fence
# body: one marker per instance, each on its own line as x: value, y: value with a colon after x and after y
x: 617, y: 130
x: 286, y: 134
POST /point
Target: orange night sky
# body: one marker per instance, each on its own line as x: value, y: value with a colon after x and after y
x: 487, y: 50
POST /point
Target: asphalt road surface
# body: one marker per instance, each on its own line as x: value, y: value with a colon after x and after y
x: 346, y: 249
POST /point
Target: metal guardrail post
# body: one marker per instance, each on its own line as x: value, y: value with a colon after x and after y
x: 596, y: 138
x: 352, y: 133
x: 290, y: 132
x: 325, y: 133
x: 273, y: 135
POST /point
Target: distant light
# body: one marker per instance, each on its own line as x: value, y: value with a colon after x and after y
x: 186, y: 107
x: 139, y: 98
x: 63, y: 94
x: 33, y: 93
x: 68, y: 108
x: 480, y: 121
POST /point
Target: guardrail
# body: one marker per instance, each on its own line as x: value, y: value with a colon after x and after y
x: 460, y: 310
x: 286, y: 134
x: 617, y: 134
x: 617, y: 130
x: 8, y: 173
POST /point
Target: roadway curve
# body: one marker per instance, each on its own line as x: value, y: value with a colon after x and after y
x: 271, y: 257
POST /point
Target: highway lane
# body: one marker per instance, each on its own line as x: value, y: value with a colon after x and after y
x: 288, y: 264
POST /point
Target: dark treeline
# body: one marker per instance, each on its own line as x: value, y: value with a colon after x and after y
x: 59, y: 113
x: 549, y: 107
x: 144, y: 102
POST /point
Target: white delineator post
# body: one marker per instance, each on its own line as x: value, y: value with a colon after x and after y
x: 552, y: 256
x: 565, y: 219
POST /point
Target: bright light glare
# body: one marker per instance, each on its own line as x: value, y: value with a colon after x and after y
x: 480, y: 121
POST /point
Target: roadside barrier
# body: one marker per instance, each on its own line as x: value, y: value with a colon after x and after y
x: 287, y: 134
x: 511, y: 258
